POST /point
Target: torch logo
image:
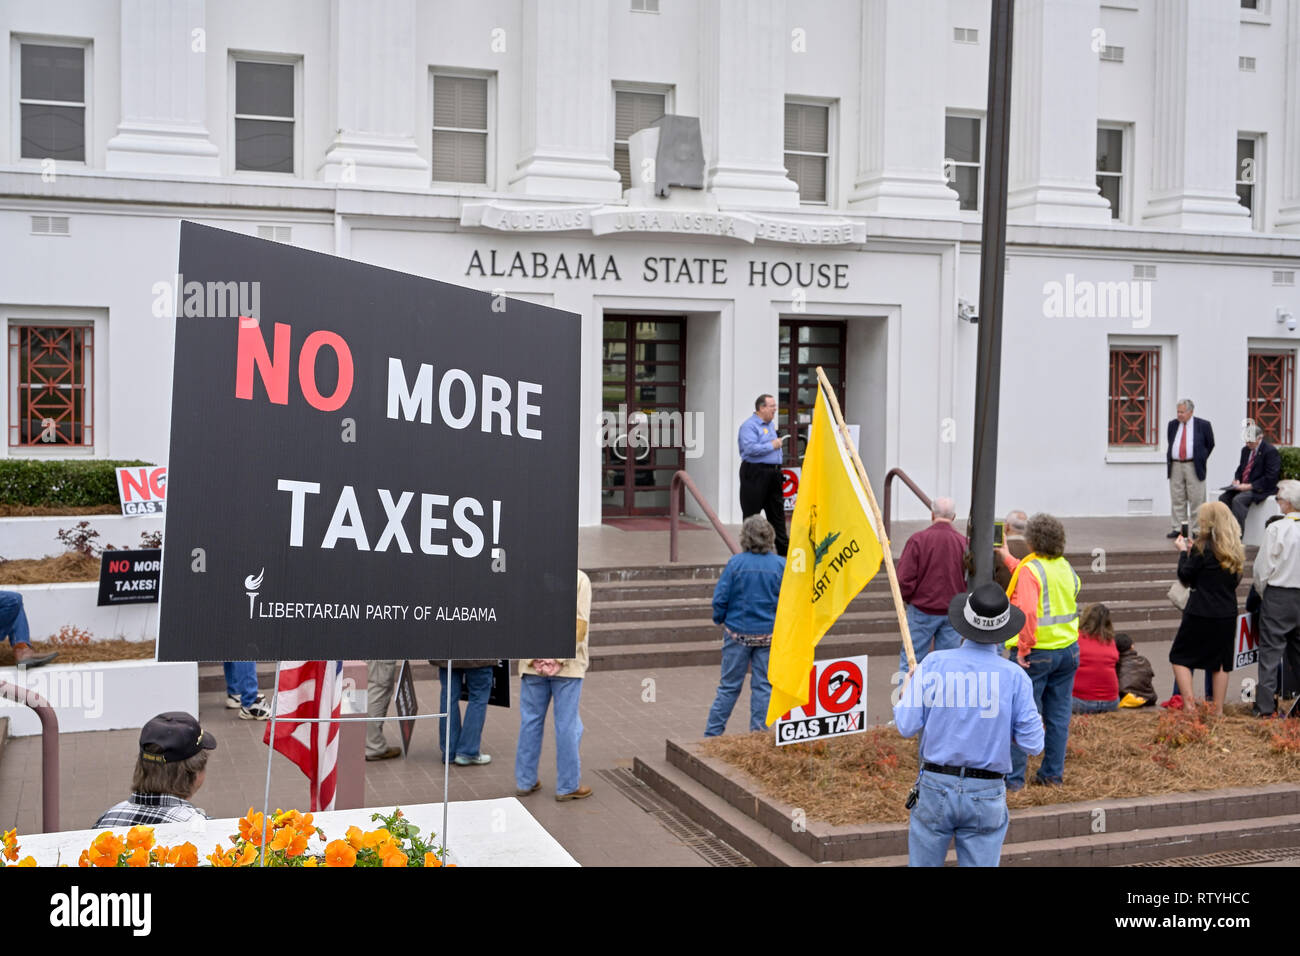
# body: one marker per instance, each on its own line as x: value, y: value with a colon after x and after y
x: 251, y: 584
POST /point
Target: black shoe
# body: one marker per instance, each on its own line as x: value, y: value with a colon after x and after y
x: 1173, y: 534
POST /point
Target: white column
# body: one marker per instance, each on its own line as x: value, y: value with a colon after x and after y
x: 373, y: 95
x: 162, y: 129
x: 742, y: 106
x: 1288, y: 166
x: 1193, y: 168
x: 1052, y: 162
x: 566, y: 143
x: 901, y: 132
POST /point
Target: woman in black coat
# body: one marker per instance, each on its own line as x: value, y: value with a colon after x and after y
x: 1211, y: 566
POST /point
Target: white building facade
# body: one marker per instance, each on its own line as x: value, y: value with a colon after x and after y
x: 1152, y: 251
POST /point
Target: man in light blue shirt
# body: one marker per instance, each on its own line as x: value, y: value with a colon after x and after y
x: 760, y: 468
x: 967, y: 704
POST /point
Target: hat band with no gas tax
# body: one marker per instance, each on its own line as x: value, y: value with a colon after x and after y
x: 986, y: 623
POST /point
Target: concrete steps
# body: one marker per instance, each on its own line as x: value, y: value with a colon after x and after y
x: 661, y: 616
x: 1110, y: 832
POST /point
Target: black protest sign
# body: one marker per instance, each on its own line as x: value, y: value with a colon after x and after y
x: 129, y: 577
x: 500, y: 695
x: 406, y: 704
x: 375, y: 467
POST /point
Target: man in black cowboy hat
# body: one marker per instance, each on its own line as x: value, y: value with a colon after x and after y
x: 969, y: 702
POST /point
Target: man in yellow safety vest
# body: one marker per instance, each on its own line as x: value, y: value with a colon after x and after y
x: 1046, y: 589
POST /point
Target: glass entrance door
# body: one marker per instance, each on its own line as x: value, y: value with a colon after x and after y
x: 804, y: 346
x: 644, y: 394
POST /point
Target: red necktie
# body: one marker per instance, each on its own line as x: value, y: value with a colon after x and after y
x: 1245, y: 474
x: 1182, y: 445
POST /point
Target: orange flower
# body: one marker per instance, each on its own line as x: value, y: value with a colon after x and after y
x: 310, y: 861
x: 377, y: 838
x: 305, y: 825
x: 187, y: 854
x: 218, y: 857
x: 247, y: 857
x: 283, y: 837
x: 250, y: 827
x: 27, y: 861
x: 11, y: 852
x: 10, y: 842
x: 84, y: 859
x: 139, y: 857
x: 431, y: 859
x: 392, y: 856
x: 338, y: 853
x: 108, y: 844
x: 139, y: 838
x: 299, y: 845
x: 356, y: 839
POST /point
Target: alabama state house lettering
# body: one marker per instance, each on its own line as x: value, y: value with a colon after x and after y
x: 667, y: 270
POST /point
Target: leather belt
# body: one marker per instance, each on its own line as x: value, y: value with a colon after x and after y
x: 964, y: 771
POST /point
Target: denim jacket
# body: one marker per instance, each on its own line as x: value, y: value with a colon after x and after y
x: 746, y: 595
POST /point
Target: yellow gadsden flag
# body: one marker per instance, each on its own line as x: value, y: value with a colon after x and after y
x: 833, y: 553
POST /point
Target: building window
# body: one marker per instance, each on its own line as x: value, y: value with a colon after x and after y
x: 961, y: 164
x: 1134, y: 393
x: 51, y: 388
x: 1248, y: 176
x: 1269, y: 376
x: 807, y: 148
x: 633, y: 111
x: 52, y: 101
x: 460, y: 129
x: 645, y: 6
x: 264, y: 116
x: 1110, y: 168
x: 804, y: 345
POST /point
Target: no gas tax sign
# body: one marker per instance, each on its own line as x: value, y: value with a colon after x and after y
x: 837, y: 703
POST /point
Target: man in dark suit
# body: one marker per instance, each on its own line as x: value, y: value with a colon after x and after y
x: 1191, y: 440
x: 1255, y: 478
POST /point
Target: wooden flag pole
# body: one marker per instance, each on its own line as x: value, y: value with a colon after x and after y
x: 880, y: 524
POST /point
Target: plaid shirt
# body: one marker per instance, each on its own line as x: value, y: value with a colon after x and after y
x: 149, y: 808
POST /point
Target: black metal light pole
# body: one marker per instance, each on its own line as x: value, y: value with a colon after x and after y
x: 993, y: 243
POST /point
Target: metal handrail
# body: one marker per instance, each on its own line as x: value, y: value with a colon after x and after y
x: 49, y: 750
x: 682, y: 483
x: 889, y: 484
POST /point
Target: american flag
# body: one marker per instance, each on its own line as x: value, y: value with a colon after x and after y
x: 310, y: 689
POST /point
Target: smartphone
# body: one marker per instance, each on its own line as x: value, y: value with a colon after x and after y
x: 999, y: 534
x: 1184, y: 530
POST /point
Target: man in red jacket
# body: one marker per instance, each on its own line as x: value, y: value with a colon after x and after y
x: 930, y: 574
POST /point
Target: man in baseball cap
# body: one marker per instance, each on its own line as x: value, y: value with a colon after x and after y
x: 967, y: 704
x: 170, y: 769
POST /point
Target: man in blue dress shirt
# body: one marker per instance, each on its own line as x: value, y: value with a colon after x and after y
x: 968, y: 704
x: 760, y: 469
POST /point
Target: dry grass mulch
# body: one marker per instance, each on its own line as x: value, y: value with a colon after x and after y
x: 80, y: 653
x: 66, y: 567
x: 42, y: 511
x: 864, y: 778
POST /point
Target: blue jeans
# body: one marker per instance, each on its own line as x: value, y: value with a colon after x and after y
x: 972, y: 811
x: 738, y: 658
x: 13, y: 619
x: 1052, y: 673
x: 535, y: 693
x: 923, y: 627
x: 241, y: 680
x: 466, y: 737
x: 1093, y: 706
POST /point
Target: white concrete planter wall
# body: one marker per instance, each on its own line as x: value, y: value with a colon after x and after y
x: 50, y: 606
x: 39, y: 537
x: 102, y: 695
